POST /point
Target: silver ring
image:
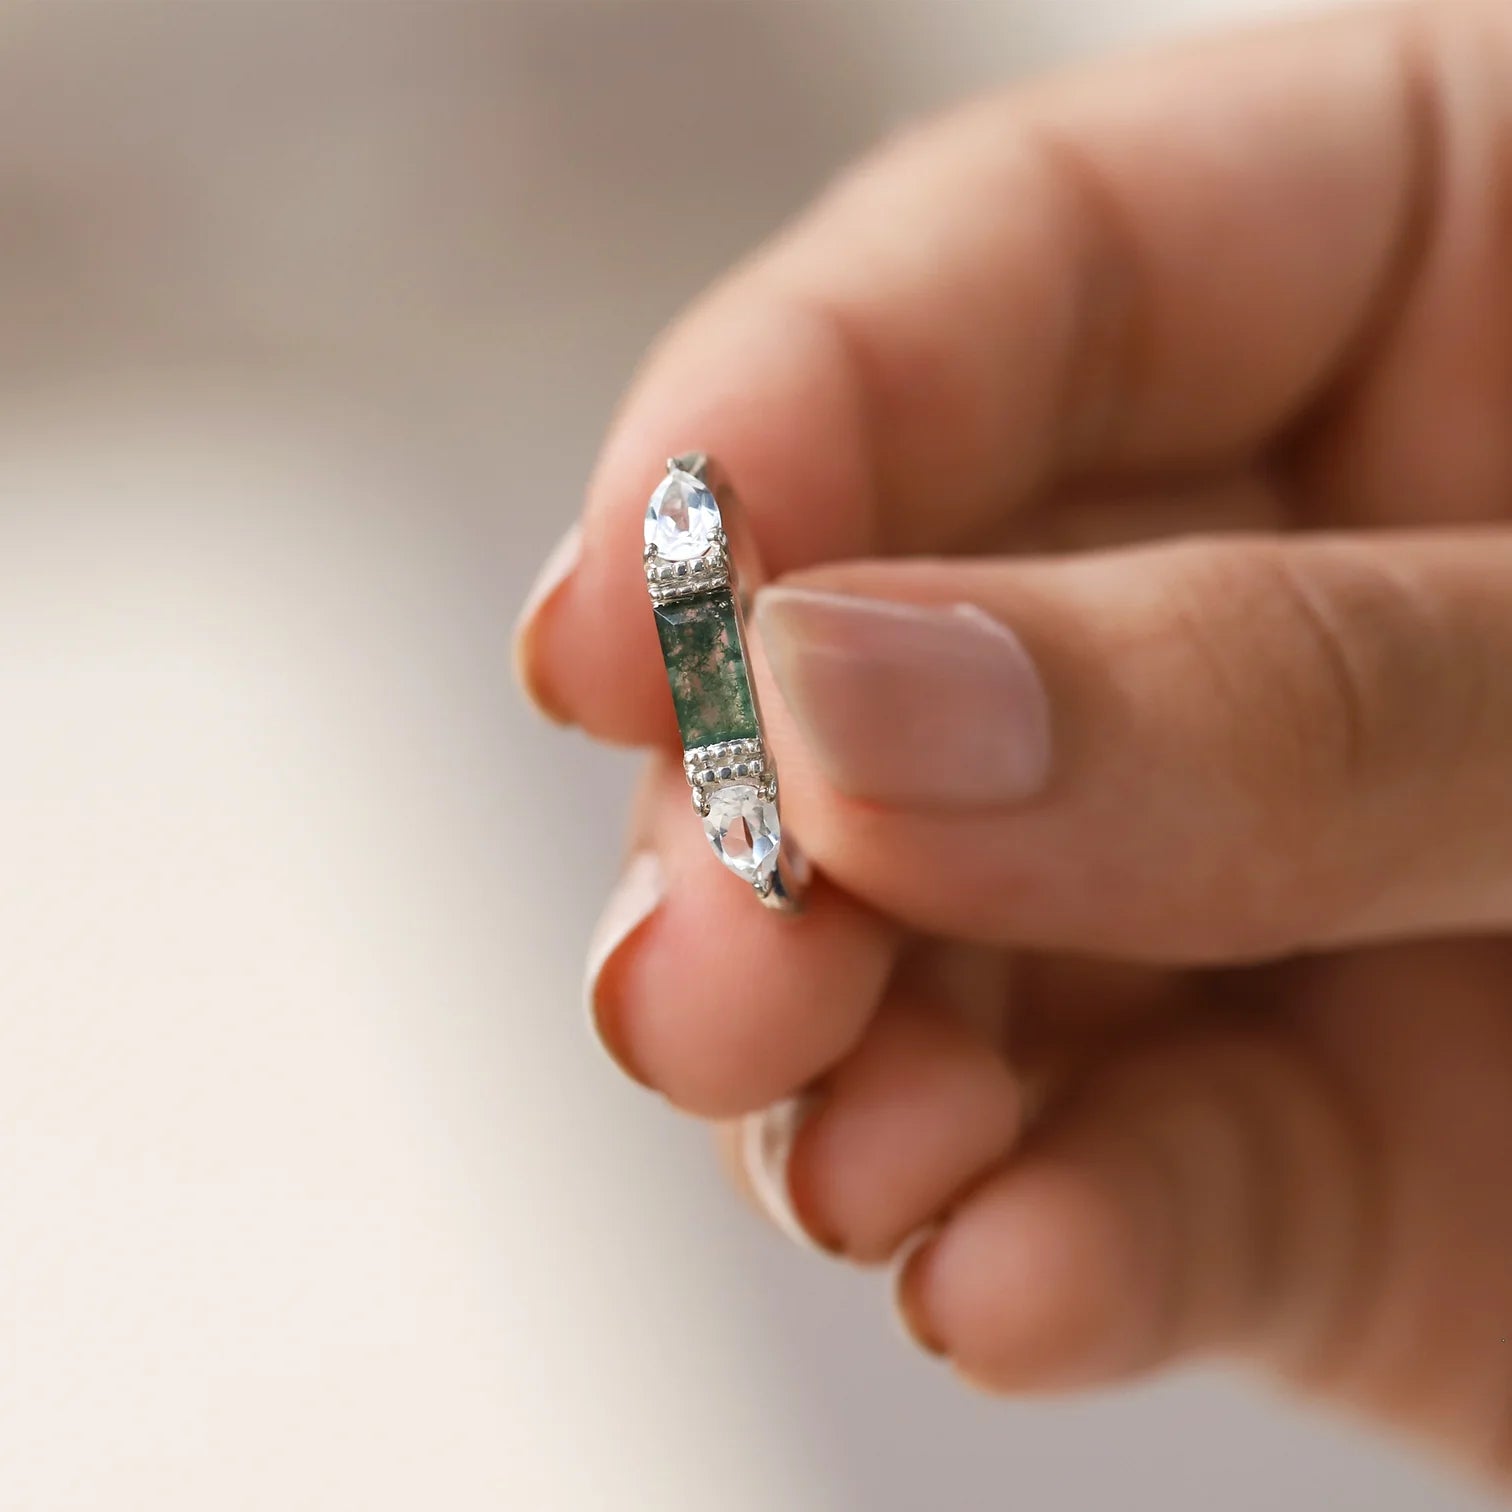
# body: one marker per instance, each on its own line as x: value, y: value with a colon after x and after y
x: 700, y: 566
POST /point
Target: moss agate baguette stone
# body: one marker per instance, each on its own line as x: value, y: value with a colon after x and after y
x: 711, y: 684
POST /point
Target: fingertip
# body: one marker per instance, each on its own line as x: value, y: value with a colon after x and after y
x: 769, y: 1142
x: 1028, y: 1287
x: 909, y: 1282
x: 880, y: 687
x: 589, y: 657
x: 534, y: 613
x: 756, y: 379
x: 727, y: 1006
x: 635, y: 899
x: 702, y: 994
x: 920, y: 1110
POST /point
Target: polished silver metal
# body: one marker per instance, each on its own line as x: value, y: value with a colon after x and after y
x: 674, y: 580
x: 729, y: 565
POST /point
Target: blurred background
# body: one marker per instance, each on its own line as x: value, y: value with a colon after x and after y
x: 314, y: 1192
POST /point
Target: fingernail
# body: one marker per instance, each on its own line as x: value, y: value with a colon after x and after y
x: 555, y: 571
x: 766, y: 1145
x: 907, y: 704
x: 907, y: 1269
x: 633, y: 901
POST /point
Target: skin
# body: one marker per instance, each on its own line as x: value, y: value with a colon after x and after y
x: 1207, y: 1049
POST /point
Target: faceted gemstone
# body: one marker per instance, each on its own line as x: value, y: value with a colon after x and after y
x: 681, y: 518
x: 711, y: 687
x: 742, y: 827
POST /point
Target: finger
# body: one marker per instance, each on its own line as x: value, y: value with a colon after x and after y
x: 1218, y: 750
x: 927, y: 1103
x: 922, y: 1107
x: 1209, y: 1194
x: 1065, y: 1004
x: 699, y: 992
x: 1097, y: 518
x: 1023, y: 292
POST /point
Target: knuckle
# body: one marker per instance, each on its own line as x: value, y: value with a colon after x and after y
x: 1333, y: 681
x: 1332, y: 628
x: 1337, y: 657
x: 1370, y: 666
x: 1203, y: 1135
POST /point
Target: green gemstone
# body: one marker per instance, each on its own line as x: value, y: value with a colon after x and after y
x: 711, y: 687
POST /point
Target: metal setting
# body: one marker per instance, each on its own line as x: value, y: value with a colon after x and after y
x: 672, y: 580
x: 727, y: 761
x: 699, y: 600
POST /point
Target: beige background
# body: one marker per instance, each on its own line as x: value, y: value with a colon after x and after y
x: 313, y: 1193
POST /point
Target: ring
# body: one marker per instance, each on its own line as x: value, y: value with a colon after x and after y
x: 697, y: 594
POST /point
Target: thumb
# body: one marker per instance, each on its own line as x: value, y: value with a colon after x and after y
x: 1211, y: 750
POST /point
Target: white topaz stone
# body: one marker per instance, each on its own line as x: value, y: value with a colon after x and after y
x: 681, y: 518
x: 742, y: 827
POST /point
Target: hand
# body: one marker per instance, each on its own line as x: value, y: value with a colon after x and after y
x: 1153, y: 969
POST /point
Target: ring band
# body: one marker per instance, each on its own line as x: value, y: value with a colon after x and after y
x: 697, y: 593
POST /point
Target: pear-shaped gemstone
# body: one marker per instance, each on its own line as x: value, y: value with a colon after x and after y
x: 742, y: 827
x: 681, y: 518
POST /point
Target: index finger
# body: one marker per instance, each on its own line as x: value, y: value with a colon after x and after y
x: 1156, y: 265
